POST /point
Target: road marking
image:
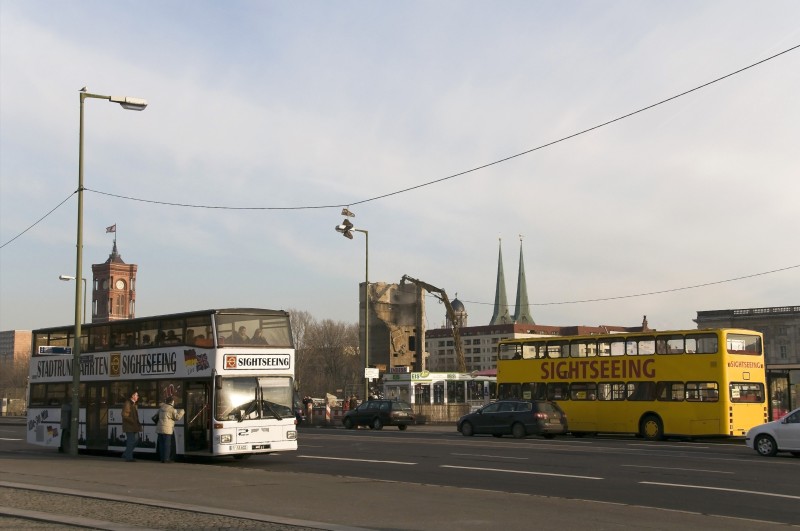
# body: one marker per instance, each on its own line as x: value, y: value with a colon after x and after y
x: 4, y: 439
x: 673, y: 468
x: 518, y: 472
x: 492, y: 456
x: 358, y: 460
x: 740, y: 491
x: 662, y: 445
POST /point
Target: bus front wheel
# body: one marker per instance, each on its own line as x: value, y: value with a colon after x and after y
x: 651, y: 428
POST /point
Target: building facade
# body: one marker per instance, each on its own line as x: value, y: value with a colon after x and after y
x: 781, y: 328
x: 15, y: 355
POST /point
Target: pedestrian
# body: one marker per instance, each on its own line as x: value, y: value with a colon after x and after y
x: 353, y: 402
x: 131, y: 425
x: 167, y: 416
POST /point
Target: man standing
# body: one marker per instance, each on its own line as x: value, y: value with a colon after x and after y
x: 131, y: 425
x: 167, y: 416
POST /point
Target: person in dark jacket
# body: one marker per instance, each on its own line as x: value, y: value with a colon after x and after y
x: 167, y: 417
x: 131, y: 425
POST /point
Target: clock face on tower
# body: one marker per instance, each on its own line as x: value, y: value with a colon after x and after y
x: 120, y: 284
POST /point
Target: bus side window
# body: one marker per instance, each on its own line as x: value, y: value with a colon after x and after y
x: 641, y: 391
x: 558, y: 391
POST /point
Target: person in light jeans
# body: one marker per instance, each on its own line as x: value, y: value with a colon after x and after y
x: 167, y: 416
x: 131, y: 425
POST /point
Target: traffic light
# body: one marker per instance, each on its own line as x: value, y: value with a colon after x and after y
x: 346, y: 229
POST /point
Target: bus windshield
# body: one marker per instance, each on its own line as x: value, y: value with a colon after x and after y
x: 248, y: 398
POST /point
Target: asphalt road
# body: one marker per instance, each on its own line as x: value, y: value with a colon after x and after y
x: 433, y: 478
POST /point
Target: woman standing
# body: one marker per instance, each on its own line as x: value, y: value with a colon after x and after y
x: 167, y: 416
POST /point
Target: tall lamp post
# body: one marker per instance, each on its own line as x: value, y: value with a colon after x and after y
x: 67, y: 278
x: 347, y: 228
x: 132, y: 104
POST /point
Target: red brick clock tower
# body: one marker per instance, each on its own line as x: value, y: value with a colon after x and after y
x: 113, y: 289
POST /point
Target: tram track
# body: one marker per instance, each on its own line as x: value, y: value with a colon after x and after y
x: 31, y: 507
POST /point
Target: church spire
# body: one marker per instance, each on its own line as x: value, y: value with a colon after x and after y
x: 522, y: 311
x: 500, y: 315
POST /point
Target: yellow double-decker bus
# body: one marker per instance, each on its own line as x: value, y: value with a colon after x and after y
x: 655, y: 384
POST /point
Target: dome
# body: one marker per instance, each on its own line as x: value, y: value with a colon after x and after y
x: 458, y: 306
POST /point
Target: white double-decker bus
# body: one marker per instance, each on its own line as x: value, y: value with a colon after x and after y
x: 231, y: 370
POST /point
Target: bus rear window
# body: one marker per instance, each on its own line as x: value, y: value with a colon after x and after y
x: 747, y: 392
x: 744, y: 344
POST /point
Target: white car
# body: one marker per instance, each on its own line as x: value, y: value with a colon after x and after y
x: 777, y: 436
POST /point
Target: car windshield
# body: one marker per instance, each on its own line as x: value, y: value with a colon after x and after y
x: 402, y: 406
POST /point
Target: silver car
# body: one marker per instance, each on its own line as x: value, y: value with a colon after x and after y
x: 782, y: 435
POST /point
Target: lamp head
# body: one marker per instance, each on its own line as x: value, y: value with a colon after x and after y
x: 132, y: 104
x: 65, y: 277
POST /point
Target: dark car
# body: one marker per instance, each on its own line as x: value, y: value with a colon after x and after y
x: 519, y: 418
x: 379, y: 413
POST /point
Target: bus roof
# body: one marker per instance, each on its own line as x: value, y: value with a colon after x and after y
x: 181, y: 315
x: 648, y: 333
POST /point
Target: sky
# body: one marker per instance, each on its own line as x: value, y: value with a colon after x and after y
x: 289, y: 111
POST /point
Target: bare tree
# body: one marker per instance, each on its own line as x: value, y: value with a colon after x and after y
x: 301, y: 321
x: 333, y: 353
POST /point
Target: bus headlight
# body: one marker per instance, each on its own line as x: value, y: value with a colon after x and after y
x: 226, y: 438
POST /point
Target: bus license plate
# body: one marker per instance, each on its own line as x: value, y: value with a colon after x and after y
x: 260, y: 447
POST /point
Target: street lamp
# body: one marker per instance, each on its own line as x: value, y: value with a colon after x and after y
x: 346, y: 228
x: 67, y: 278
x: 133, y: 104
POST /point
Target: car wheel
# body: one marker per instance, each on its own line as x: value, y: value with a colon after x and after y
x: 651, y: 428
x: 348, y: 423
x: 765, y: 445
x: 377, y: 424
x: 467, y: 430
x: 402, y: 427
x: 518, y: 431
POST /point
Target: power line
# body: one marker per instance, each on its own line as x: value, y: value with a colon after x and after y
x: 38, y: 220
x: 465, y: 172
x: 645, y: 294
x: 429, y: 183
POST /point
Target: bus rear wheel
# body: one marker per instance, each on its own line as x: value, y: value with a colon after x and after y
x: 651, y: 428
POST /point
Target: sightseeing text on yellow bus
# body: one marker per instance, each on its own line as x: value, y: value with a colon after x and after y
x: 605, y: 369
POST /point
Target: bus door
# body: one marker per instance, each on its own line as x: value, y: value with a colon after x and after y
x: 97, y: 416
x: 197, y: 421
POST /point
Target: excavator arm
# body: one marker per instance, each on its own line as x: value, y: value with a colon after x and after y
x: 440, y: 294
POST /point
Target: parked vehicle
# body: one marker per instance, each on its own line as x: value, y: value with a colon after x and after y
x: 379, y: 413
x: 782, y: 435
x: 519, y: 418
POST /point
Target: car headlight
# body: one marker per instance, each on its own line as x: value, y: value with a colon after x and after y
x: 226, y: 438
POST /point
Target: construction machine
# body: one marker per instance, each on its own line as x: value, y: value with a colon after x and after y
x: 440, y: 294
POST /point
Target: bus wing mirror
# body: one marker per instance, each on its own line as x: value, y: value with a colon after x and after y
x: 218, y: 382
